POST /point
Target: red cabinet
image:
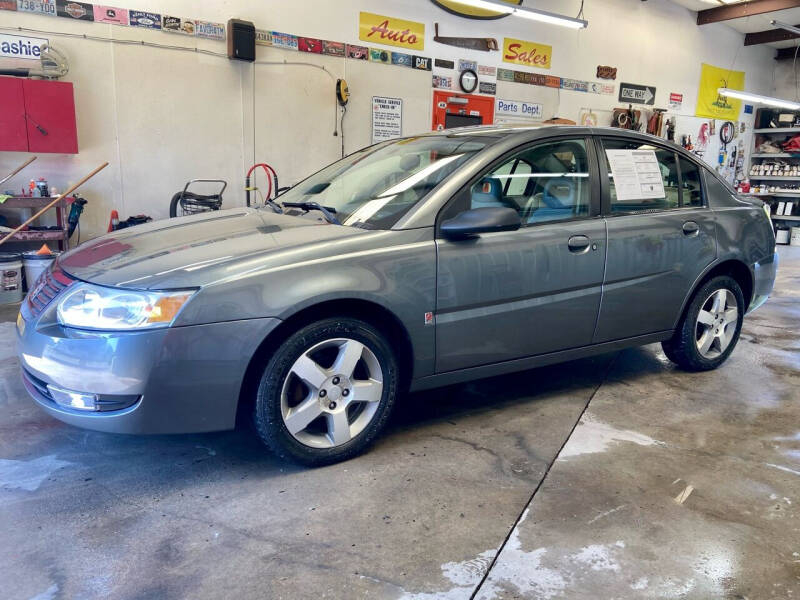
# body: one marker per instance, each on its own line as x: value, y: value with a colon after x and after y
x: 13, y: 135
x: 37, y: 116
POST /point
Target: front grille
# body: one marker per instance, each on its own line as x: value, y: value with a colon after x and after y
x: 49, y: 285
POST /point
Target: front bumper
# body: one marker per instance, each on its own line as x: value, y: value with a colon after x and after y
x: 174, y: 380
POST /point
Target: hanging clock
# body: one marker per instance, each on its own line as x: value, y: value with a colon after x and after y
x: 468, y: 80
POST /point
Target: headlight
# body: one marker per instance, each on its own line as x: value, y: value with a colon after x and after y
x: 93, y: 307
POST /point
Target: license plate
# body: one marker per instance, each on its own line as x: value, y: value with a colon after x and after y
x: 20, y: 324
x: 44, y: 7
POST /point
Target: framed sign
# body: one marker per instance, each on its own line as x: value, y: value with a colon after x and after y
x: 529, y: 54
x: 387, y: 118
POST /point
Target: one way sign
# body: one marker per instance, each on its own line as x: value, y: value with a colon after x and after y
x: 637, y: 94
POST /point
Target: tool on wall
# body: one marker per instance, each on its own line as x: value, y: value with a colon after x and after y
x: 18, y: 169
x: 702, y: 139
x: 52, y: 65
x: 656, y: 121
x: 671, y: 129
x: 342, y: 97
x: 470, y: 43
x: 52, y: 203
x: 727, y: 132
x: 626, y: 118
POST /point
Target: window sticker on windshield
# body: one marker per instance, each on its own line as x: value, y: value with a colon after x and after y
x: 636, y: 174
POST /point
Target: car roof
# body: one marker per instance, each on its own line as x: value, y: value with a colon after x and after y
x: 521, y: 133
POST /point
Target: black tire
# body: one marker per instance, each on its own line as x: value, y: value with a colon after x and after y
x: 268, y: 418
x: 682, y: 347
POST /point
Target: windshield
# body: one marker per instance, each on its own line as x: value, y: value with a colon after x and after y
x: 376, y: 186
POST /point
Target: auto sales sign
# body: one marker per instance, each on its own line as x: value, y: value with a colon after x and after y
x: 378, y: 29
x: 16, y: 46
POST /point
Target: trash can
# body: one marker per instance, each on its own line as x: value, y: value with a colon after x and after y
x: 10, y: 278
x: 35, y: 264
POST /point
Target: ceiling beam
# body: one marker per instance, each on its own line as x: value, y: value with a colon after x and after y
x: 769, y: 36
x: 786, y: 54
x: 743, y: 9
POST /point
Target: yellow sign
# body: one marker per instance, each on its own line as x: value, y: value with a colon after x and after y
x: 709, y: 102
x: 471, y: 12
x: 529, y: 54
x: 378, y: 29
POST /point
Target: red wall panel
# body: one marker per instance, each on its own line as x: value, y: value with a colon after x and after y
x: 13, y: 134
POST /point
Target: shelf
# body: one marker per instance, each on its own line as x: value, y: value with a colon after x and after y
x: 38, y: 236
x: 775, y: 155
x: 795, y: 195
x: 775, y: 177
x: 30, y: 202
x: 785, y: 217
x: 778, y: 130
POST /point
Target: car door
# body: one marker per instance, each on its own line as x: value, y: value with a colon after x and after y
x: 508, y: 295
x: 657, y: 247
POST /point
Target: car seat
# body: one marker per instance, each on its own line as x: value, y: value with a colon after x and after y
x: 488, y: 192
x: 557, y: 201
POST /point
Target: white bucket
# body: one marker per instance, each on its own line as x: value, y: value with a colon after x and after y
x: 782, y: 236
x: 35, y: 265
x: 10, y: 278
x: 795, y: 241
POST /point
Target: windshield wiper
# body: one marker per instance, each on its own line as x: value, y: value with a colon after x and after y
x: 327, y: 211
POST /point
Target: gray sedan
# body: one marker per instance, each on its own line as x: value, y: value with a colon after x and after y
x: 411, y: 264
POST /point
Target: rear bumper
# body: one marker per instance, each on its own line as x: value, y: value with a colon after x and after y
x: 764, y: 274
x: 175, y: 380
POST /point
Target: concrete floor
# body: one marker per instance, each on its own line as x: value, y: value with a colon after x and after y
x: 672, y: 485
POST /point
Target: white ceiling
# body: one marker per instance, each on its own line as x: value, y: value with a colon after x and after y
x: 750, y: 24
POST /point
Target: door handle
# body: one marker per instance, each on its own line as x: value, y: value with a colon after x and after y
x: 690, y: 228
x: 578, y: 244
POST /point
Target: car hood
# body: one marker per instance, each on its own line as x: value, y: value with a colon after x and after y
x: 198, y: 250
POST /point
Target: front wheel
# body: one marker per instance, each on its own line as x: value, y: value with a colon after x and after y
x: 327, y: 392
x: 709, y: 330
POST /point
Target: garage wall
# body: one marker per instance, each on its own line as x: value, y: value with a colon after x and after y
x: 161, y: 117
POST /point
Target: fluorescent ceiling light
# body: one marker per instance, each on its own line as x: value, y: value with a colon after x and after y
x: 527, y: 13
x: 785, y: 26
x: 758, y: 99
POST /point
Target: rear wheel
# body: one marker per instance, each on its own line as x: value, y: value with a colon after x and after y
x: 327, y: 392
x: 710, y: 328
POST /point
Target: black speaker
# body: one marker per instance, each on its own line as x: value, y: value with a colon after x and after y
x: 241, y: 40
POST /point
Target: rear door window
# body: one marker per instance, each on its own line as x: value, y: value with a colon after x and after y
x: 668, y: 167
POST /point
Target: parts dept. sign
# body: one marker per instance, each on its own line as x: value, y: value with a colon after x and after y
x: 528, y: 54
x: 378, y: 29
x: 19, y: 47
x: 515, y: 108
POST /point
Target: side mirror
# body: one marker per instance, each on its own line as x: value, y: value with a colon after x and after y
x: 481, y: 220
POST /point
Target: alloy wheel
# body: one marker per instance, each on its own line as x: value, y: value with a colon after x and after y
x: 717, y: 322
x: 331, y: 393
